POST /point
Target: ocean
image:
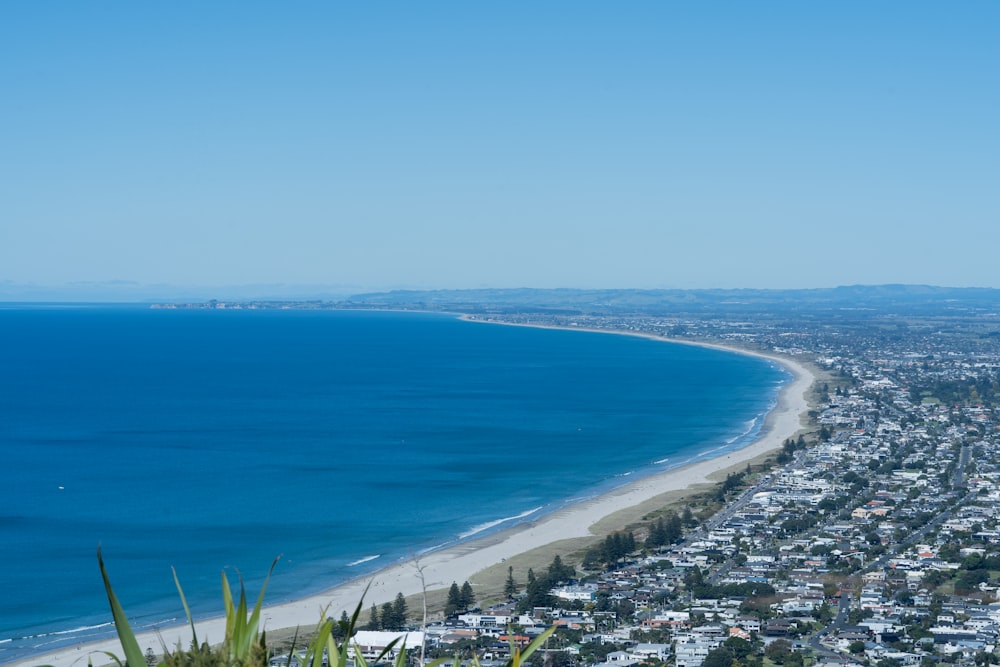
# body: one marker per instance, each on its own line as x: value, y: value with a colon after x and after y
x: 345, y: 441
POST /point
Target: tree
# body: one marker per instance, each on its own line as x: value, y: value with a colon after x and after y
x: 420, y: 567
x: 536, y: 594
x: 373, y: 623
x: 824, y: 614
x: 969, y: 580
x: 856, y: 647
x: 468, y: 598
x: 740, y: 647
x: 454, y: 603
x: 387, y: 619
x: 720, y: 657
x: 510, y: 586
x: 340, y: 627
x: 657, y: 535
x: 778, y: 651
x: 559, y: 571
x: 399, y: 611
x: 673, y: 529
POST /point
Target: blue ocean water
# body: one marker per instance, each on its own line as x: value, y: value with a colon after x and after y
x: 345, y: 441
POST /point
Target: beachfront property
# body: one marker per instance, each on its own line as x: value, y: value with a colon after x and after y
x: 487, y: 621
x: 372, y: 643
x: 583, y: 593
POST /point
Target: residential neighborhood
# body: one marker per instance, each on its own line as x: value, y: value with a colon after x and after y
x: 872, y: 538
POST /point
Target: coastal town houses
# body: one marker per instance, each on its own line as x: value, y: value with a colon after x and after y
x: 890, y: 523
x: 372, y: 643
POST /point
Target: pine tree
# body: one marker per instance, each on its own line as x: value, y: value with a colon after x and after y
x: 399, y: 611
x: 374, y: 622
x: 341, y: 626
x: 559, y: 571
x: 388, y: 618
x: 556, y: 569
x: 536, y: 594
x: 674, y: 530
x: 612, y: 548
x: 468, y: 597
x: 657, y: 534
x: 510, y: 586
x: 454, y: 603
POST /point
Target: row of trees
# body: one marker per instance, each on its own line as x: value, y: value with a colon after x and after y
x: 459, y: 599
x: 734, y: 482
x: 610, y: 551
x: 536, y: 593
x: 391, y: 617
x: 665, y: 531
x: 788, y: 449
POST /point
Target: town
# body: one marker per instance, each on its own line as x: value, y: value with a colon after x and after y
x: 873, y: 538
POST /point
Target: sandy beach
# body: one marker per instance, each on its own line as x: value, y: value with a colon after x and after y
x: 464, y: 561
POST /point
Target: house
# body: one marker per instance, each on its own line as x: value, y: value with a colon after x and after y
x: 655, y: 651
x: 372, y: 643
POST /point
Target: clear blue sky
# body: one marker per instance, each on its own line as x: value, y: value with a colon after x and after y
x: 360, y: 146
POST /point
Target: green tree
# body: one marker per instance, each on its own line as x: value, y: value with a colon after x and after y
x: 740, y: 647
x: 399, y: 611
x: 340, y: 627
x: 969, y: 580
x: 657, y: 535
x: 510, y: 586
x: 559, y: 571
x: 468, y: 598
x: 536, y: 594
x: 688, y: 518
x: 454, y: 603
x: 387, y: 618
x: 373, y: 622
x: 778, y: 651
x: 720, y: 657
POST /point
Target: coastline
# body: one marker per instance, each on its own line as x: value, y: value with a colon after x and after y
x: 467, y: 559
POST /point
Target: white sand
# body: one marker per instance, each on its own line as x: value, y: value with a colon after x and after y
x: 461, y: 562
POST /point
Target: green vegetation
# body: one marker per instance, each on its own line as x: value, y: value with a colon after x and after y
x: 246, y: 646
x: 459, y: 599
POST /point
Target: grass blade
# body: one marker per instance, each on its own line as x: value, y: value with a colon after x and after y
x: 227, y: 603
x: 255, y: 616
x: 133, y: 654
x: 521, y: 656
x: 187, y: 609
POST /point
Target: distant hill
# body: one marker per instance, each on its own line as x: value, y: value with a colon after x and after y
x: 903, y: 299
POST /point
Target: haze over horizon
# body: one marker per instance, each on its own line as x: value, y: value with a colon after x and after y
x: 238, y: 150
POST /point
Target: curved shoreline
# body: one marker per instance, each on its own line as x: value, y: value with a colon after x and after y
x: 466, y: 559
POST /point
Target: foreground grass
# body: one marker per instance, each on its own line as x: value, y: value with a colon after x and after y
x: 246, y: 646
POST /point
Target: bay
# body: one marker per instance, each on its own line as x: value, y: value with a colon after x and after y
x: 345, y: 441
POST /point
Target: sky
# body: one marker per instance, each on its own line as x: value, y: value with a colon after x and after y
x: 319, y: 148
